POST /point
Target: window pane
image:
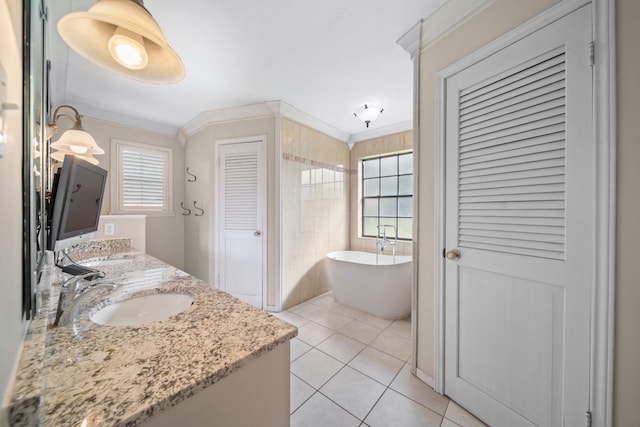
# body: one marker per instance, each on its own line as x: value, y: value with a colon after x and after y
x: 371, y: 168
x: 390, y: 233
x: 328, y: 175
x: 389, y: 186
x: 389, y: 207
x: 305, y: 177
x: 317, y: 176
x: 372, y: 187
x: 370, y: 207
x: 405, y: 207
x: 389, y: 166
x: 370, y: 226
x: 405, y: 163
x: 405, y: 186
x: 405, y: 227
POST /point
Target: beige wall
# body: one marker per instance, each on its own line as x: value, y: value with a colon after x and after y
x: 133, y: 227
x: 11, y: 324
x: 371, y: 147
x: 164, y: 234
x: 494, y: 21
x: 626, y: 394
x: 199, y: 158
x: 315, y: 207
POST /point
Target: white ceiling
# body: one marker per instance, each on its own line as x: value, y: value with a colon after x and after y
x: 325, y: 58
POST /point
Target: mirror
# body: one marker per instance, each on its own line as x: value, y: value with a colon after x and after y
x: 35, y: 158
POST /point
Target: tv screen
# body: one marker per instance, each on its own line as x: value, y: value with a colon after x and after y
x: 76, y: 203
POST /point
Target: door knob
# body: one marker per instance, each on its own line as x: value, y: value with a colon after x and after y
x: 454, y: 254
x: 257, y: 233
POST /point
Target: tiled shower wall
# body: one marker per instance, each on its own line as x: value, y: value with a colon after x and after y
x: 315, y: 208
x: 383, y: 145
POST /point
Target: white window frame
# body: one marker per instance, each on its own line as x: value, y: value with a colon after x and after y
x: 117, y: 206
x: 361, y: 196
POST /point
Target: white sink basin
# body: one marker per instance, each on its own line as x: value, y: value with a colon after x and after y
x: 104, y: 262
x: 140, y: 310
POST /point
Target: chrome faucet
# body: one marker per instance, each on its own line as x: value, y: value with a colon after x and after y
x: 70, y: 292
x: 382, y: 243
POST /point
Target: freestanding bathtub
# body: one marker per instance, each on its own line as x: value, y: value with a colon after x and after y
x: 382, y: 288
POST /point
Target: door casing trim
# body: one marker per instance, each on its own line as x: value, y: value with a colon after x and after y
x: 604, y: 132
x: 214, y: 236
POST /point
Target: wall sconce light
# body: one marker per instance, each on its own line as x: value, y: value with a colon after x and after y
x: 75, y: 141
x: 368, y: 113
x: 122, y: 36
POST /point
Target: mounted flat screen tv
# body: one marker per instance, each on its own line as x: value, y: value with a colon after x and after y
x: 76, y: 200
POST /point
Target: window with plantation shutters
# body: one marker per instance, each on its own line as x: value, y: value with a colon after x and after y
x: 143, y: 175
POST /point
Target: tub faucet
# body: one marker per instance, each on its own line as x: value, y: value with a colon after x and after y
x: 383, y: 242
x: 71, y: 290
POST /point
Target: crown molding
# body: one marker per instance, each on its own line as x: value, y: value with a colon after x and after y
x: 256, y: 111
x: 410, y: 41
x: 225, y: 115
x: 270, y: 109
x: 96, y: 113
x: 451, y: 15
x: 284, y: 110
x: 380, y: 132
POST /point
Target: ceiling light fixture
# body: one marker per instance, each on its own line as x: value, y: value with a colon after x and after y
x: 75, y: 141
x: 368, y: 113
x: 122, y: 36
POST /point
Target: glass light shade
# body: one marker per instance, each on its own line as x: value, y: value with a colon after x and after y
x: 127, y: 48
x: 77, y: 142
x: 59, y: 156
x: 90, y: 33
x: 368, y: 113
x: 79, y: 149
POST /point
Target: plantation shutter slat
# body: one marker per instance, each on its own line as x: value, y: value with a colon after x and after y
x: 143, y: 179
x: 512, y: 162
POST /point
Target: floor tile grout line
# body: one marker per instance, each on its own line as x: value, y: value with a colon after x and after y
x: 387, y: 387
x: 303, y: 403
x: 344, y: 365
x: 341, y: 407
x: 420, y: 403
x: 383, y: 393
x: 367, y: 345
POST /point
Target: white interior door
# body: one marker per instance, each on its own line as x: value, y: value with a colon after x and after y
x: 240, y: 218
x: 520, y: 187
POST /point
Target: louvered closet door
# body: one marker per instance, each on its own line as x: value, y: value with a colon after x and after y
x: 520, y: 209
x: 240, y: 221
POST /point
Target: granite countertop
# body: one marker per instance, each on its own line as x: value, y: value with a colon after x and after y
x: 86, y: 374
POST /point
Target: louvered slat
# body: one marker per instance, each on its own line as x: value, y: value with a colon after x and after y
x: 511, y: 166
x: 525, y: 78
x: 241, y: 191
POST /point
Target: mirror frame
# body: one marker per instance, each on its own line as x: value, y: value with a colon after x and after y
x: 34, y: 186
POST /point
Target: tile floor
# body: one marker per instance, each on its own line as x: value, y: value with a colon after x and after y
x: 350, y: 368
